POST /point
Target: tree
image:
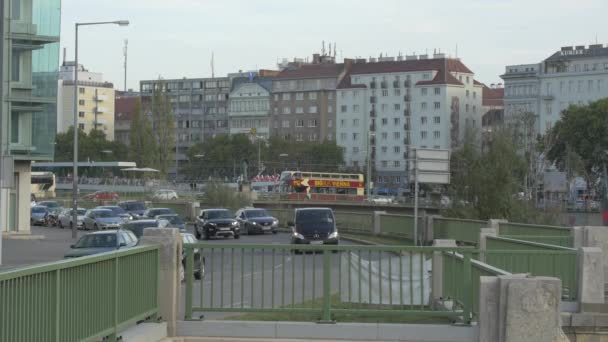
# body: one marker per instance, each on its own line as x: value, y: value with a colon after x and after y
x: 163, y: 127
x: 143, y: 146
x: 580, y: 141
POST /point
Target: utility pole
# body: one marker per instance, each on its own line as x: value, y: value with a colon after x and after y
x: 124, y: 51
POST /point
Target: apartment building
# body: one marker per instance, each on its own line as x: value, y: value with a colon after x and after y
x: 249, y: 105
x: 95, y: 101
x: 124, y: 109
x: 493, y: 109
x: 199, y: 106
x: 574, y: 75
x: 303, y: 100
x: 30, y: 56
x: 387, y: 106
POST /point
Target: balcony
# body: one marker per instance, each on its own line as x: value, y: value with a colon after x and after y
x: 406, y: 141
x: 407, y: 83
x: 372, y: 85
x: 406, y: 127
x: 372, y: 99
x: 395, y: 84
x: 383, y: 84
x: 100, y: 98
x: 372, y: 113
x: 100, y: 110
x: 405, y: 155
x: 372, y: 141
x: 407, y: 112
x: 372, y: 127
x: 548, y: 97
x: 407, y: 98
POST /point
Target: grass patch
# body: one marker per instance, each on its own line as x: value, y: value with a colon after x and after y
x: 380, y: 239
x: 341, y: 317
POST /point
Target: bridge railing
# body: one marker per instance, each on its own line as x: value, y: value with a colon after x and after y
x: 553, y: 235
x: 87, y: 298
x: 334, y: 282
x: 458, y: 229
x: 538, y: 259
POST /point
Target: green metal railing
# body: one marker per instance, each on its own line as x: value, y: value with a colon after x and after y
x: 399, y: 225
x: 553, y: 235
x: 458, y: 229
x: 520, y: 256
x: 83, y: 299
x: 324, y: 281
x: 454, y: 265
x: 354, y: 222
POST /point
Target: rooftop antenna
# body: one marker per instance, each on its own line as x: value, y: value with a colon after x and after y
x: 212, y: 66
x: 335, y: 49
x: 124, y: 52
x: 64, y: 53
x: 323, y: 48
x: 456, y: 50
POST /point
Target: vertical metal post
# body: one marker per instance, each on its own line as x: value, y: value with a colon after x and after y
x: 76, y: 130
x: 326, y: 317
x: 369, y: 166
x: 259, y: 157
x: 605, y: 201
x: 467, y: 288
x: 188, y: 274
x: 416, y: 200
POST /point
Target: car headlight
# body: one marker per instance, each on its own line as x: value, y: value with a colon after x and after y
x: 235, y: 223
x: 275, y: 222
x: 254, y: 223
x: 333, y: 235
x: 298, y: 235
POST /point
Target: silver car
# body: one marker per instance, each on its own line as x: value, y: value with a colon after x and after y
x: 65, y: 218
x: 101, y: 219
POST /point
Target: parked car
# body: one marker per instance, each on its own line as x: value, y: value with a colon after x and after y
x: 256, y: 220
x: 65, y: 218
x: 173, y: 221
x: 165, y: 195
x: 54, y: 208
x: 216, y: 223
x: 101, y: 219
x: 151, y: 213
x: 381, y: 200
x: 118, y: 211
x: 314, y: 226
x: 102, y: 196
x: 38, y: 215
x: 135, y: 208
x: 101, y: 242
x: 199, y: 263
x: 138, y: 226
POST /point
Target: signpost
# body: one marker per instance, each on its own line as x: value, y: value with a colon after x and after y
x: 430, y: 166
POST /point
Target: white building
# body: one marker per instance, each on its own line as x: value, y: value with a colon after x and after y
x: 571, y: 76
x: 393, y: 106
x: 249, y: 106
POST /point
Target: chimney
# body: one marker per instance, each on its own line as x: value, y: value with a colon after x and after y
x: 580, y: 47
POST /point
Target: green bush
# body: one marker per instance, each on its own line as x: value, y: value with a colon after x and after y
x: 222, y: 196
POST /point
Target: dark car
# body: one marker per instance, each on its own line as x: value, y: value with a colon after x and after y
x: 118, y: 211
x: 38, y: 215
x: 199, y: 263
x: 151, y: 213
x: 258, y: 221
x: 173, y: 221
x: 54, y: 209
x: 135, y: 208
x: 216, y: 223
x: 138, y: 226
x: 314, y: 226
x: 101, y: 242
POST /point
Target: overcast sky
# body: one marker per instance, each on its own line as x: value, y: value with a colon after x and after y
x: 175, y: 38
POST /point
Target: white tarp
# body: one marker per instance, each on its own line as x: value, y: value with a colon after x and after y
x: 420, y: 288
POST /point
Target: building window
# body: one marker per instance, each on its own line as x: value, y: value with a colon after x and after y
x: 276, y: 124
x: 276, y: 110
x: 330, y: 96
x: 355, y: 149
x: 312, y: 109
x: 330, y: 109
x: 286, y: 96
x: 356, y: 92
x: 330, y: 123
x: 423, y: 106
x: 397, y: 106
x: 355, y: 108
x: 299, y: 96
x: 276, y: 97
x: 81, y: 114
x: 299, y: 110
x: 343, y: 136
x: 423, y: 134
x: 423, y: 120
x: 590, y: 85
x: 396, y: 149
x: 397, y: 92
x: 299, y: 123
x: 355, y: 122
x: 81, y: 90
x: 397, y: 163
x: 81, y: 102
x: 299, y: 137
x: 467, y: 79
x: 467, y: 93
x: 384, y: 149
x: 355, y: 136
x: 343, y: 108
x: 384, y: 107
x: 384, y: 92
x: 312, y: 123
x: 396, y: 121
x: 426, y: 76
x: 437, y: 105
x: 286, y: 110
x: 384, y: 121
x: 423, y: 91
x: 285, y: 123
x: 81, y: 126
x: 312, y: 95
x: 343, y: 94
x: 436, y: 134
x: 384, y: 163
x: 437, y: 119
x: 437, y: 91
x: 384, y: 135
x: 580, y: 86
x: 474, y: 109
x: 16, y: 66
x: 396, y: 135
x: 466, y: 108
x: 342, y: 123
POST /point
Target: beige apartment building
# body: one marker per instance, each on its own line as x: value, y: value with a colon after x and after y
x: 95, y: 101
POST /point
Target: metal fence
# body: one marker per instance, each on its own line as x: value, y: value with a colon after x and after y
x: 399, y: 225
x: 458, y: 229
x: 554, y: 235
x: 355, y: 222
x: 322, y: 282
x: 83, y: 299
x: 520, y: 256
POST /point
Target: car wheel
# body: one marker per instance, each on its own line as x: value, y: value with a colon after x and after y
x: 205, y: 235
x: 71, y: 225
x: 198, y: 275
x: 60, y: 225
x: 274, y: 232
x: 197, y: 234
x: 237, y: 236
x: 248, y: 231
x: 95, y: 227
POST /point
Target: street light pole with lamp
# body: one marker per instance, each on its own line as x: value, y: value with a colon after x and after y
x: 76, y: 129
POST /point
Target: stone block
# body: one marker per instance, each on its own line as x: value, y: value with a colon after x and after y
x: 532, y: 310
x: 597, y: 236
x: 590, y: 274
x: 145, y: 332
x: 483, y: 234
x: 488, y: 308
x: 376, y: 221
x: 495, y: 223
x: 437, y: 278
x: 583, y: 320
x: 577, y: 234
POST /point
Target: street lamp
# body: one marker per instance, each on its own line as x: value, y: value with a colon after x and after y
x: 75, y: 163
x: 369, y: 165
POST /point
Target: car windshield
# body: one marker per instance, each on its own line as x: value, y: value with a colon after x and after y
x: 104, y: 213
x: 219, y: 214
x: 135, y: 206
x: 257, y: 213
x: 314, y: 216
x: 81, y: 211
x: 38, y: 210
x: 96, y: 241
x: 116, y: 210
x: 157, y: 212
x: 173, y: 219
x: 50, y: 204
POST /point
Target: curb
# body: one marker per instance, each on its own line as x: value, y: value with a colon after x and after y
x: 22, y: 237
x: 357, y: 240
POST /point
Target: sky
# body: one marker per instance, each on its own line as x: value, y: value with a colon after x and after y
x: 176, y: 38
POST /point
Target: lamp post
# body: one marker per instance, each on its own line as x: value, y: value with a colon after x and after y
x: 75, y: 163
x: 369, y: 165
